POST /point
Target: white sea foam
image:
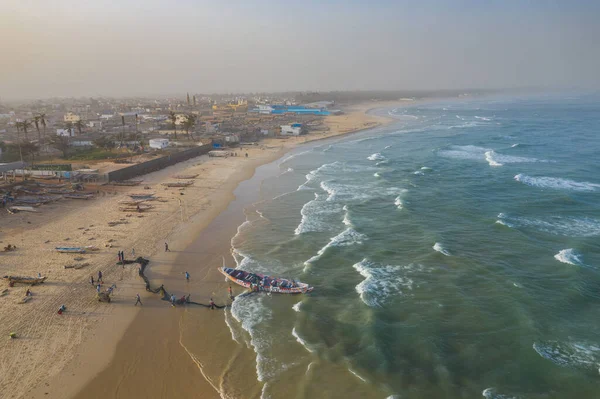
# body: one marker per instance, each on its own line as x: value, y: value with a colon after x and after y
x: 301, y: 341
x: 483, y: 118
x: 569, y: 256
x: 514, y: 145
x: 313, y: 174
x: 250, y: 312
x: 556, y: 183
x: 399, y: 199
x: 469, y: 152
x: 376, y: 174
x: 381, y: 163
x: 580, y: 355
x: 419, y: 173
x: 346, y: 219
x: 489, y: 157
x: 386, y: 147
x: 426, y: 168
x: 313, y: 214
x: 557, y: 225
x: 460, y: 117
x: 357, y: 375
x: 440, y: 248
x: 490, y: 393
x: 383, y: 281
x: 297, y: 306
x: 376, y: 157
x: 346, y: 238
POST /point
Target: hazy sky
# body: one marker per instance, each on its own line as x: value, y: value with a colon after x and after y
x: 134, y: 47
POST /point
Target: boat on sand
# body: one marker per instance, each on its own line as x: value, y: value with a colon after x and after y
x: 261, y: 282
x: 24, y: 280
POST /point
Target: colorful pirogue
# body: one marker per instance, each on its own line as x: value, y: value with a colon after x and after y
x: 260, y: 282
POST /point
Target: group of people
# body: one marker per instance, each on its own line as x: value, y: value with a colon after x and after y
x: 121, y: 255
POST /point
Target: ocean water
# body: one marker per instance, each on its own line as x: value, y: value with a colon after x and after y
x: 454, y: 253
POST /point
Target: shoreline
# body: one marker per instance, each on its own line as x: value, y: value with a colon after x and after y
x: 98, y: 350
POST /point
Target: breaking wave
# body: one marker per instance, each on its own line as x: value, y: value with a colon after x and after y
x: 376, y: 157
x: 557, y: 225
x: 440, y: 248
x: 346, y: 238
x: 382, y: 281
x: 569, y: 256
x: 556, y: 183
x: 570, y: 354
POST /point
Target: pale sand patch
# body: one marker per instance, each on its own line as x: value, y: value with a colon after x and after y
x: 49, y: 343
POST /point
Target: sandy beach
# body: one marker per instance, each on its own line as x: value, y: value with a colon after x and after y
x: 87, y: 351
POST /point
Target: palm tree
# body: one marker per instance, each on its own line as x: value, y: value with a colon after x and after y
x: 26, y: 124
x: 43, y: 121
x: 190, y: 122
x: 79, y: 125
x: 36, y: 121
x: 173, y: 119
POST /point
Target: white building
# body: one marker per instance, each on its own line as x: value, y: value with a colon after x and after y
x: 71, y: 117
x: 159, y: 144
x: 66, y: 132
x: 95, y: 124
x: 291, y: 130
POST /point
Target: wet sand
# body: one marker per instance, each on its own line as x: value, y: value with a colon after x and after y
x: 131, y: 352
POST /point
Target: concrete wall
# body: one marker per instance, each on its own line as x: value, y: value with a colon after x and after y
x: 157, y: 164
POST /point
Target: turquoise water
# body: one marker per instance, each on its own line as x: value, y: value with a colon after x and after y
x: 454, y: 254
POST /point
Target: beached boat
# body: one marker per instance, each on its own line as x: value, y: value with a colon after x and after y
x: 185, y: 176
x: 132, y: 202
x: 79, y: 196
x: 25, y: 280
x: 179, y: 184
x: 22, y: 209
x: 135, y: 208
x: 144, y: 197
x: 261, y: 282
x: 70, y: 250
x: 126, y: 183
x: 59, y: 191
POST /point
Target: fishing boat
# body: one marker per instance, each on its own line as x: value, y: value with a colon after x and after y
x: 126, y: 183
x: 145, y: 197
x: 261, y: 282
x: 185, y: 176
x: 135, y: 208
x: 21, y: 209
x: 25, y: 280
x: 84, y: 196
x: 179, y: 184
x: 131, y: 202
x: 71, y: 250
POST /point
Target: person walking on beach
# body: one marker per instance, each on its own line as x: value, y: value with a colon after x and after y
x: 133, y: 253
x: 98, y: 287
x: 138, y: 300
x: 173, y: 299
x: 211, y: 304
x: 187, y: 276
x: 100, y: 281
x: 119, y: 256
x: 123, y: 257
x: 92, y: 280
x: 167, y: 247
x: 230, y: 293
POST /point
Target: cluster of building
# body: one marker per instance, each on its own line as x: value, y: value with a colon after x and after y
x: 156, y: 122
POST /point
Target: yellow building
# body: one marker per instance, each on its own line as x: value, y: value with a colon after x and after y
x: 71, y: 117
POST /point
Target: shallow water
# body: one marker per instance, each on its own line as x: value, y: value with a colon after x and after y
x: 454, y: 254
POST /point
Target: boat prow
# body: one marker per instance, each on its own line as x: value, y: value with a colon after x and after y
x: 260, y: 282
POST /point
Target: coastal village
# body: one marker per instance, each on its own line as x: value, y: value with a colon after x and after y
x: 93, y: 190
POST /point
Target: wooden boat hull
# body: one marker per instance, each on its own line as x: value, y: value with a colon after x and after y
x: 76, y: 250
x: 301, y: 288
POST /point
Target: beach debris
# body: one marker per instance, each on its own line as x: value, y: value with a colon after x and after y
x: 9, y: 248
x: 12, y: 335
x: 12, y: 280
x: 77, y: 266
x: 4, y: 292
x: 70, y: 250
x: 25, y: 299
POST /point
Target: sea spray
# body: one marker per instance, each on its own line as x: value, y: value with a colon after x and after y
x: 569, y: 256
x: 440, y: 248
